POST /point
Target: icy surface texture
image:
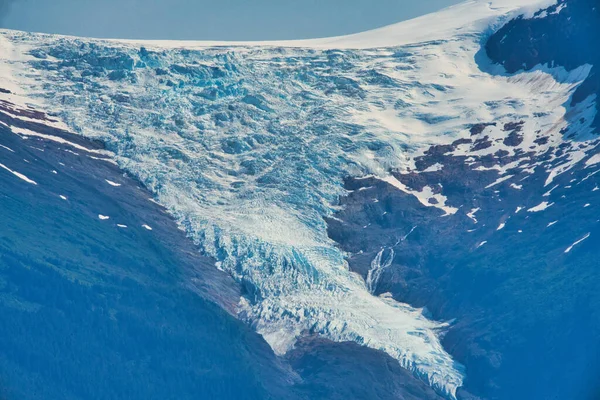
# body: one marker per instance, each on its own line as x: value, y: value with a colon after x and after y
x: 247, y: 147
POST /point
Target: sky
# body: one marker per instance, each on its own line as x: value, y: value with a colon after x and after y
x: 209, y: 19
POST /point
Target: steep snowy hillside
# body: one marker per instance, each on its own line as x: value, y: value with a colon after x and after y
x: 359, y: 188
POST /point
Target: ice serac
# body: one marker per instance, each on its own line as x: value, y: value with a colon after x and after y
x: 248, y: 144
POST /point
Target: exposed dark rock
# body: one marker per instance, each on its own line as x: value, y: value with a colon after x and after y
x: 482, y: 143
x: 479, y: 128
x: 513, y: 139
x: 501, y: 276
x: 565, y: 34
x: 314, y: 359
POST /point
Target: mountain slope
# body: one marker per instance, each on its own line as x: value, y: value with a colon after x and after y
x: 564, y: 34
x: 323, y: 174
x: 102, y: 297
x: 517, y: 262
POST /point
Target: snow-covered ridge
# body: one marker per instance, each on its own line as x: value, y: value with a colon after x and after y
x: 471, y: 16
x: 247, y: 147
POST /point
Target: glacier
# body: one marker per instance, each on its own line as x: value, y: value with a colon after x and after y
x: 247, y: 146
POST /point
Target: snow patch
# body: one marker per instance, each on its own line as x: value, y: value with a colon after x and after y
x: 540, y: 207
x: 471, y: 214
x: 7, y: 148
x: 426, y: 196
x: 577, y: 242
x: 111, y: 183
x: 18, y: 174
x: 377, y: 268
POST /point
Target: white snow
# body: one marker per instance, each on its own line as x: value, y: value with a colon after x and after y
x: 540, y: 207
x: 377, y: 268
x: 469, y: 17
x: 549, y: 192
x: 593, y: 160
x: 147, y: 227
x: 423, y: 195
x: 108, y: 160
x: 63, y: 197
x: 499, y: 180
x: 28, y: 132
x: 559, y: 8
x: 111, y: 183
x: 588, y: 176
x: 471, y: 214
x: 103, y: 217
x: 18, y: 174
x: 577, y: 242
x: 433, y: 168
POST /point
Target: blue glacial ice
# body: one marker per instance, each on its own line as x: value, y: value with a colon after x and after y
x: 247, y: 147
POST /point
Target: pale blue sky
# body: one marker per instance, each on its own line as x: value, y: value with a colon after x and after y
x: 211, y: 20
